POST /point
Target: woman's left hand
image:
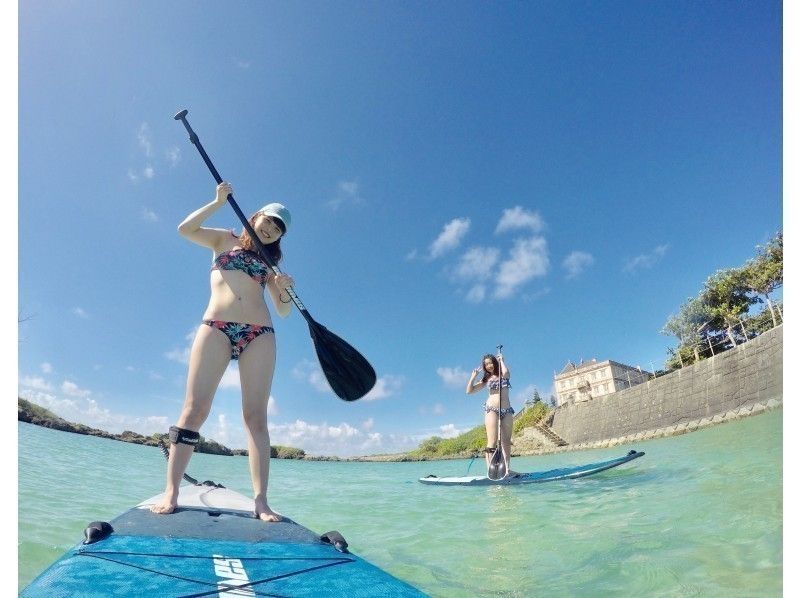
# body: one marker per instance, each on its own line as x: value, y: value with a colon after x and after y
x: 283, y: 281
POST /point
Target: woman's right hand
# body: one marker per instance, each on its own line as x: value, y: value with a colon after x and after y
x: 223, y: 190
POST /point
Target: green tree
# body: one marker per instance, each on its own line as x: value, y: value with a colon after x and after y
x: 430, y: 445
x: 530, y: 417
x: 764, y: 273
x: 726, y: 294
x: 535, y: 398
x: 686, y: 325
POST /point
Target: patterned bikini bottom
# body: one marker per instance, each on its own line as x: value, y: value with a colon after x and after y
x: 240, y: 335
x: 501, y: 412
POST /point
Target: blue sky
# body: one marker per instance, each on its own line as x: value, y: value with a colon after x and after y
x: 557, y: 177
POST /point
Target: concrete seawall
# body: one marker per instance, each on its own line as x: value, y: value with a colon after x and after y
x: 737, y: 383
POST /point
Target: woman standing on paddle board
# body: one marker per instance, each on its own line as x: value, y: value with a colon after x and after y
x: 496, y: 376
x: 236, y: 325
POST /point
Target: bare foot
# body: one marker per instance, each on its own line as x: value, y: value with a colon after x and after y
x: 263, y: 512
x: 166, y: 505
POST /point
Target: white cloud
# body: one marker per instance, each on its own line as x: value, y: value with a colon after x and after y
x: 76, y: 405
x: 89, y: 412
x: 179, y: 355
x: 230, y: 379
x: 576, y: 262
x: 48, y: 401
x: 346, y: 193
x: 182, y: 355
x: 368, y: 424
x: 438, y: 409
x: 80, y: 312
x: 449, y: 431
x: 35, y: 383
x: 71, y: 389
x: 453, y: 377
x: 311, y: 373
x: 450, y: 237
x: 349, y: 187
x: 145, y: 139
x: 477, y: 293
x: 155, y: 423
x: 528, y: 260
x: 93, y: 414
x: 645, y: 260
x: 173, y: 156
x: 46, y: 368
x: 476, y: 264
x: 519, y: 218
x: 221, y: 431
x: 385, y: 386
x: 243, y: 64
x: 343, y: 440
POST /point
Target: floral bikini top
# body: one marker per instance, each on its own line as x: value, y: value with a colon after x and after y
x: 246, y: 261
x: 498, y: 384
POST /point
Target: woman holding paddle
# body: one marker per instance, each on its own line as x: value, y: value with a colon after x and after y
x: 498, y: 413
x: 236, y: 326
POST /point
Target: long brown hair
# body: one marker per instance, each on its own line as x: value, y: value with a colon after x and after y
x: 273, y: 249
x: 495, y: 363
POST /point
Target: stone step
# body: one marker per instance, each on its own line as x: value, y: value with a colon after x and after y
x: 548, y: 432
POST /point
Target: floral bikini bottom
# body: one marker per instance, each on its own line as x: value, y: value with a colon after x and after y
x: 240, y: 335
x: 501, y: 412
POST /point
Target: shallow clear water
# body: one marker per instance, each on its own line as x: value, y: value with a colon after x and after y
x: 698, y: 515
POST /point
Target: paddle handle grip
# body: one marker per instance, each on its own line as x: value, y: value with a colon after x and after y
x: 181, y: 116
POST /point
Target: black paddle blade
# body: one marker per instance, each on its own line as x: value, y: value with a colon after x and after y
x: 347, y: 371
x: 497, y: 466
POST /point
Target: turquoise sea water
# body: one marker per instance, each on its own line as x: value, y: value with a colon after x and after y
x: 698, y: 515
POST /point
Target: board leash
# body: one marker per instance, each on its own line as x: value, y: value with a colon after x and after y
x: 186, y: 476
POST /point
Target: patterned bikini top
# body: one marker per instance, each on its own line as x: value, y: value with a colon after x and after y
x: 246, y: 261
x: 498, y: 384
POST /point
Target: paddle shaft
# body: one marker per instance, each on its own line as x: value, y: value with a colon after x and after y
x: 497, y: 456
x: 500, y: 403
x: 181, y: 116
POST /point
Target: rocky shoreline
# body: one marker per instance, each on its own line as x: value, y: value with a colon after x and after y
x: 39, y: 416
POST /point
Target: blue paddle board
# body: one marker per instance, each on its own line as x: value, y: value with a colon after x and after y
x: 212, y: 545
x: 564, y: 473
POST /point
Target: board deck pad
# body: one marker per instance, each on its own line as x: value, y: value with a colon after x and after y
x: 211, y: 546
x: 563, y: 473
